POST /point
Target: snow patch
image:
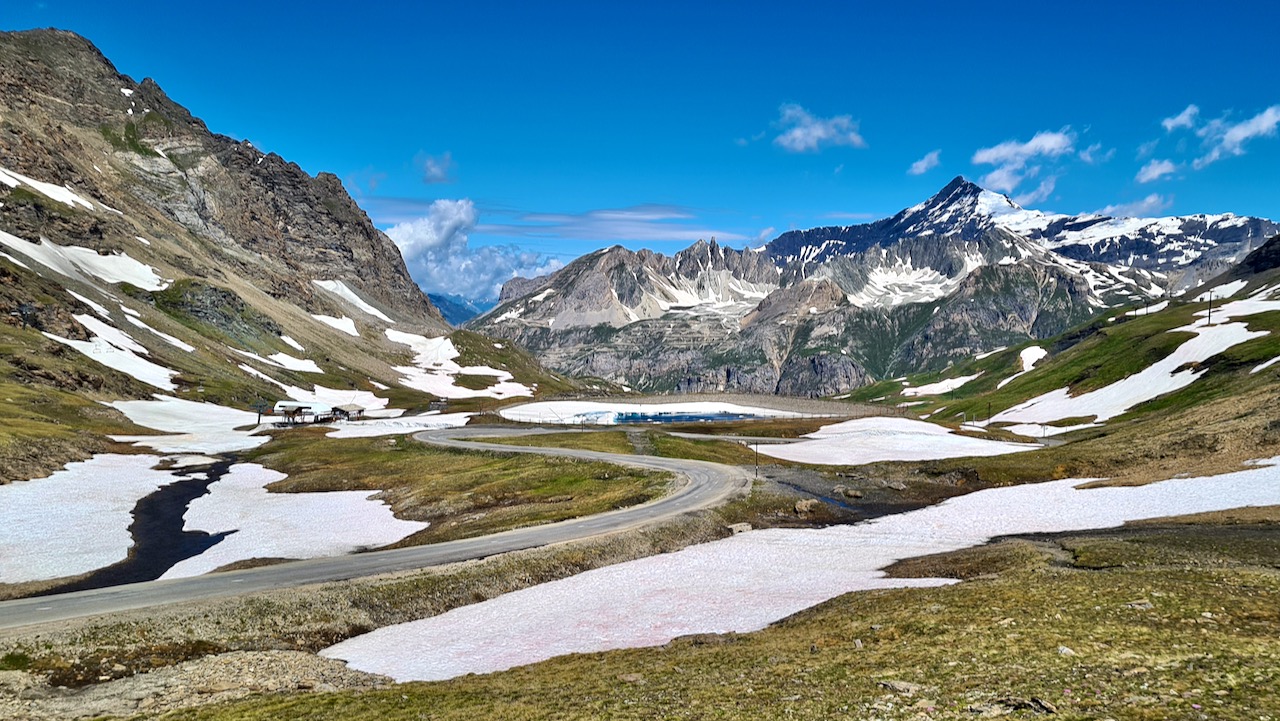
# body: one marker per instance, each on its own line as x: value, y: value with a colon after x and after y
x: 870, y: 440
x: 96, y: 306
x: 115, y: 349
x: 75, y: 520
x: 175, y: 342
x: 341, y: 290
x: 284, y: 525
x: 1029, y: 357
x: 62, y: 194
x: 434, y: 370
x: 344, y: 324
x: 74, y: 262
x: 398, y: 426
x: 1174, y: 372
x: 198, y: 427
x: 745, y: 582
x: 942, y: 386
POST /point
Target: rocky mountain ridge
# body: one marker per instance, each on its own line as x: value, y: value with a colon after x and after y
x: 142, y: 254
x: 822, y: 311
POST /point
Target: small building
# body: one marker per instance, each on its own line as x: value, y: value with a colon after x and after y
x: 302, y: 412
x: 348, y: 412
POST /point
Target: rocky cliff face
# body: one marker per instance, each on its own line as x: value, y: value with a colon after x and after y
x: 208, y: 204
x: 822, y: 311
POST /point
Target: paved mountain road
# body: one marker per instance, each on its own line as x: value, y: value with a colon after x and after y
x: 700, y: 485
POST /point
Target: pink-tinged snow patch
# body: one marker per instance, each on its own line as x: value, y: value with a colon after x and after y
x: 750, y: 580
x: 198, y: 427
x: 606, y: 414
x: 115, y: 349
x: 76, y: 262
x: 942, y: 386
x: 870, y: 440
x: 74, y: 521
x: 284, y: 525
x: 397, y: 426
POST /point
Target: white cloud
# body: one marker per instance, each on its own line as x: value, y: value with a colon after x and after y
x: 1094, y: 154
x: 1148, y: 206
x: 1155, y: 170
x: 637, y: 223
x: 440, y: 258
x: 1147, y: 149
x: 437, y: 169
x: 1011, y: 157
x: 804, y: 132
x: 766, y: 234
x: 925, y: 164
x: 1040, y: 194
x: 1225, y: 138
x: 1184, y: 119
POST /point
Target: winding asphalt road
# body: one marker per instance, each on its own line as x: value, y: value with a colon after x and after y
x: 700, y: 485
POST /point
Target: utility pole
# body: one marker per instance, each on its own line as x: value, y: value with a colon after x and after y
x: 756, y: 448
x: 1209, y: 320
x: 260, y: 406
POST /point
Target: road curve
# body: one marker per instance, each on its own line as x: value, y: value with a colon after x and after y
x: 700, y: 485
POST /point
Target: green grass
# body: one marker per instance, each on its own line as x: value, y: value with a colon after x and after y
x: 601, y: 441
x: 128, y: 140
x: 461, y: 493
x: 1182, y: 629
x: 727, y: 452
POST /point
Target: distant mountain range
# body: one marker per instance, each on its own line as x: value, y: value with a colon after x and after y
x: 456, y: 309
x: 821, y: 311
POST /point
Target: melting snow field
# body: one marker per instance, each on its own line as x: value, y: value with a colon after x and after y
x: 748, y: 581
x: 343, y: 291
x: 605, y: 414
x: 1165, y: 376
x: 76, y: 520
x: 1029, y: 357
x: 434, y: 370
x: 198, y: 427
x: 74, y: 262
x: 942, y: 386
x: 343, y: 324
x: 115, y: 349
x: 395, y: 426
x: 284, y: 525
x: 869, y: 440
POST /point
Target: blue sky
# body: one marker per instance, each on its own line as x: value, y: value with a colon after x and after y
x: 509, y: 137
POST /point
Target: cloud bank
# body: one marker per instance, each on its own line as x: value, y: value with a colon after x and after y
x: 440, y: 259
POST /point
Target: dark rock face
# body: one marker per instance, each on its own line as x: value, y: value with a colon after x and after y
x: 217, y: 205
